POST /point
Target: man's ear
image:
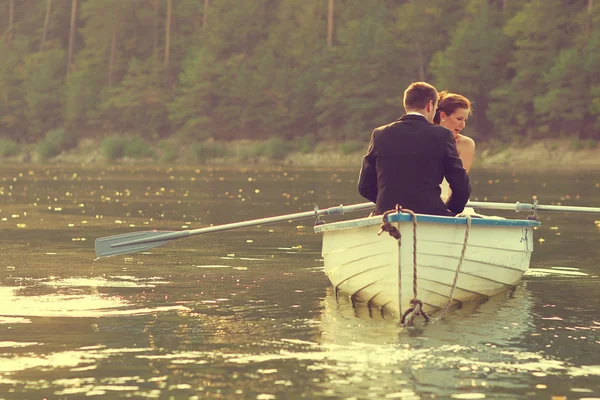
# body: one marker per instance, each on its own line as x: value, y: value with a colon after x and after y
x: 429, y: 106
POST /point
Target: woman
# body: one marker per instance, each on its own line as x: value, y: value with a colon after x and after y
x: 453, y: 112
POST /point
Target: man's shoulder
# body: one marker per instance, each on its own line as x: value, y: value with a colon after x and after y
x: 399, y: 124
x: 440, y: 130
x: 403, y: 124
x: 391, y: 125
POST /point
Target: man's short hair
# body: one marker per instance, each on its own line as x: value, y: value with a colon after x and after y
x: 418, y: 94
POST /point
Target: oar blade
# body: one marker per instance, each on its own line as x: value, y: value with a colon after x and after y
x: 118, y: 244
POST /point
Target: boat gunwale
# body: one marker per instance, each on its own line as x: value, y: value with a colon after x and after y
x: 424, y: 218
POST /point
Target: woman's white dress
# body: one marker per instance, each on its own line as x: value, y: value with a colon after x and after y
x: 445, y: 186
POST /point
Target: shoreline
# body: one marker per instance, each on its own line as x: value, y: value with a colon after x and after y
x: 548, y: 155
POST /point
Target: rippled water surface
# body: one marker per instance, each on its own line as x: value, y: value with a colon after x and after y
x: 249, y: 314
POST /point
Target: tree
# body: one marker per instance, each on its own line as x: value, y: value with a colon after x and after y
x: 421, y: 29
x: 11, y: 23
x: 197, y: 95
x: 475, y: 60
x: 46, y: 23
x: 353, y: 96
x: 113, y: 47
x: 539, y: 32
x: 13, y: 122
x: 227, y: 79
x: 591, y: 66
x: 43, y: 86
x: 186, y: 33
x: 566, y: 106
x: 330, y: 23
x: 99, y: 65
x: 590, y: 9
x: 168, y: 33
x: 288, y: 68
x: 155, y: 30
x: 72, y: 35
x: 205, y: 13
x: 137, y: 103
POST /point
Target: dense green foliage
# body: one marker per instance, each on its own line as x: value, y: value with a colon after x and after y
x: 260, y: 69
x: 8, y: 148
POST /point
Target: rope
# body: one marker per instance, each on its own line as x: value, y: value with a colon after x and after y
x: 416, y: 309
x: 395, y: 233
x: 460, y: 261
x: 414, y: 218
x: 389, y: 228
x: 416, y: 305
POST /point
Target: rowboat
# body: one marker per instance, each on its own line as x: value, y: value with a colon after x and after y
x: 458, y: 259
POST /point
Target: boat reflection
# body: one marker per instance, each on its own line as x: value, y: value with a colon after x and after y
x: 481, y: 342
x: 497, y: 320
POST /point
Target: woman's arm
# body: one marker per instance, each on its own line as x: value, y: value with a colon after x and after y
x: 466, y: 151
x: 457, y: 177
x: 367, y: 178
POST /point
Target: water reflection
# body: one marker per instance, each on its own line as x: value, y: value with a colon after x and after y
x: 75, y: 297
x: 477, y: 347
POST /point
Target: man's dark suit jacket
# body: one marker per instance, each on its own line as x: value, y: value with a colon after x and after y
x: 406, y: 163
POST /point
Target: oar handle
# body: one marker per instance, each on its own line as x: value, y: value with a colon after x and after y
x: 341, y: 209
x: 501, y: 206
x: 282, y: 218
x: 573, y: 209
x: 528, y: 207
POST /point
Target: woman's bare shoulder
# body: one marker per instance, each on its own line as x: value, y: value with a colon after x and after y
x: 465, y: 142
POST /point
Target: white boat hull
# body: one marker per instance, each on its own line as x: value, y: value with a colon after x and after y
x: 365, y: 265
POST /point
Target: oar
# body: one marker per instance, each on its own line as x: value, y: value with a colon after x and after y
x: 140, y: 241
x: 527, y: 207
x: 133, y: 242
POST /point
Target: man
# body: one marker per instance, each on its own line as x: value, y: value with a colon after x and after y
x: 408, y: 159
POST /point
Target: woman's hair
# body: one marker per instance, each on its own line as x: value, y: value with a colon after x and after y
x: 448, y: 103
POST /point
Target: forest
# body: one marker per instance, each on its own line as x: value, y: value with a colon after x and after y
x: 259, y: 69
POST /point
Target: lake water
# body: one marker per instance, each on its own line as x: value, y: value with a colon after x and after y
x: 249, y: 314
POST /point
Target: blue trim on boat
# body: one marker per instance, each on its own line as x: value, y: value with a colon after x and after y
x: 422, y: 218
x: 463, y: 221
